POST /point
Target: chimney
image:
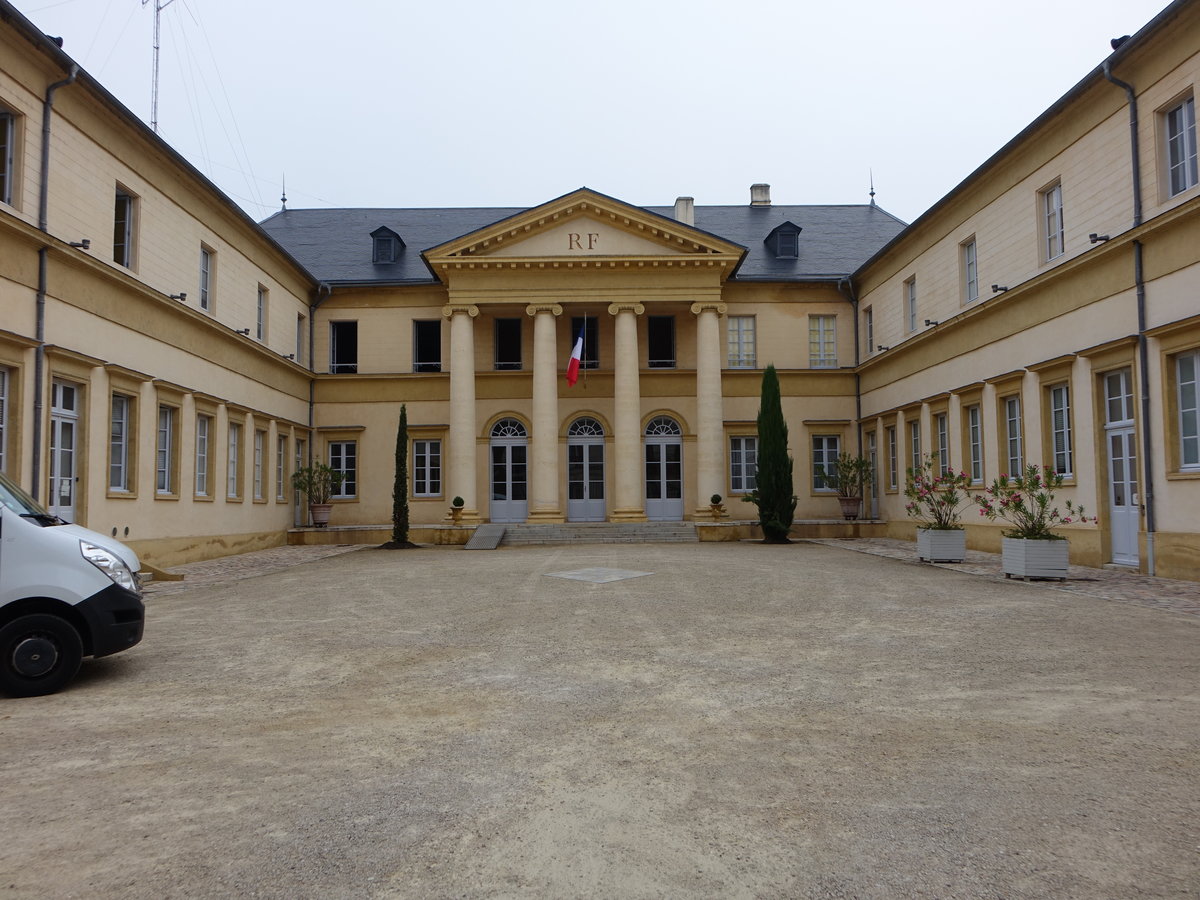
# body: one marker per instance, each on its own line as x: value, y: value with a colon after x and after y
x: 685, y: 210
x: 760, y: 195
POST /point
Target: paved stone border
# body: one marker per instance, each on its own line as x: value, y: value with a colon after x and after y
x: 245, y: 565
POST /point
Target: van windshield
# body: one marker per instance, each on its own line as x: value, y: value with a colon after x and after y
x: 14, y: 498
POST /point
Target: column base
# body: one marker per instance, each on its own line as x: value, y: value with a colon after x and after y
x: 545, y: 517
x: 629, y: 514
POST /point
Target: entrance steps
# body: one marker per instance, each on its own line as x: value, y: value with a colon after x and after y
x: 601, y: 533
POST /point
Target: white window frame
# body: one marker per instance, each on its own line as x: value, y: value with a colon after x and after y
x: 260, y: 320
x: 941, y: 424
x: 343, y: 457
x: 164, y: 474
x: 910, y: 302
x: 4, y: 382
x: 914, y: 444
x: 1054, y: 230
x: 118, y: 443
x: 203, y: 448
x: 8, y: 155
x: 427, y: 467
x: 970, y: 264
x: 207, y: 271
x: 301, y: 322
x: 1188, y: 399
x: 869, y: 329
x: 1180, y: 125
x: 893, y: 459
x: 1014, y: 435
x: 281, y: 466
x: 1060, y: 429
x: 233, y: 462
x: 742, y: 342
x: 825, y: 450
x: 123, y: 227
x: 743, y: 463
x: 822, y: 342
x: 975, y: 442
x: 260, y: 439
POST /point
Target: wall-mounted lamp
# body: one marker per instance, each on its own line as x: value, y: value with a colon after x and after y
x: 881, y: 348
x: 85, y: 244
x: 1098, y: 238
x: 242, y: 330
x: 999, y: 288
x: 929, y: 322
x: 290, y: 356
x: 181, y: 297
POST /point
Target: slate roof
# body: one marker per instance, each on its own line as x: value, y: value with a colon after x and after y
x: 335, y: 244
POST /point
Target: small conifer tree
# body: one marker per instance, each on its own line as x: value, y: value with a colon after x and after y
x: 400, y: 486
x: 772, y: 493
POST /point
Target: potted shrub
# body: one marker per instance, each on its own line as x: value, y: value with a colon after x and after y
x: 936, y: 499
x: 1031, y: 549
x: 716, y: 507
x: 456, y: 509
x: 318, y: 482
x: 850, y: 476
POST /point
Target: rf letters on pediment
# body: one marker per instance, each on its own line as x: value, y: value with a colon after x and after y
x: 582, y: 236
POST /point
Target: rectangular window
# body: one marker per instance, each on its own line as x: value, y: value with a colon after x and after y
x: 942, y: 427
x: 343, y: 457
x: 824, y: 458
x: 822, y: 342
x: 741, y: 342
x: 233, y: 462
x: 260, y: 321
x: 869, y: 329
x: 300, y: 461
x: 118, y: 443
x: 660, y: 332
x: 8, y: 141
x: 1187, y: 367
x: 975, y: 443
x: 427, y: 468
x: 1052, y: 221
x: 208, y: 272
x: 343, y: 347
x: 910, y: 302
x: 587, y: 327
x: 4, y: 380
x: 508, y: 345
x: 1060, y: 428
x: 164, y: 469
x: 280, y: 466
x: 914, y: 444
x: 427, y: 345
x: 1013, y: 436
x: 970, y: 272
x: 301, y: 329
x: 743, y: 464
x: 123, y: 228
x: 260, y: 439
x: 893, y: 459
x: 203, y: 456
x: 1181, y: 146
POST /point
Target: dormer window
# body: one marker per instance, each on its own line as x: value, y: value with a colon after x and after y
x: 784, y: 241
x: 385, y: 247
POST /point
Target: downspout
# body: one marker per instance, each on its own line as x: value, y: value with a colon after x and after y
x: 39, y: 361
x: 1142, y: 342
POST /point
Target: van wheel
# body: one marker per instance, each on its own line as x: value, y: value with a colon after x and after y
x: 39, y: 654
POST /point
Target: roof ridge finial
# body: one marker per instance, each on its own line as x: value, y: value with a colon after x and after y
x: 872, y: 175
x: 283, y: 193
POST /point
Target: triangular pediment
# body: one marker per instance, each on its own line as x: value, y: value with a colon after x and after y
x: 586, y: 225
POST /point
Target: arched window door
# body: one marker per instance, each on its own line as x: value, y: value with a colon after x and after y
x: 509, y: 453
x: 585, y: 471
x: 664, y: 469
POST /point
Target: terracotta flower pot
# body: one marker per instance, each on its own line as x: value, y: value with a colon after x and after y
x: 850, y: 506
x: 319, y: 513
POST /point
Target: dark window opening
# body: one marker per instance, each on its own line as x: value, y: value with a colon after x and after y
x: 123, y: 229
x: 385, y: 249
x: 508, y: 344
x: 427, y: 346
x: 789, y: 244
x: 661, y: 341
x: 343, y: 347
x: 589, y: 328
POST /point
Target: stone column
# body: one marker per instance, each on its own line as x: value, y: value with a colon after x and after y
x: 461, y: 456
x: 710, y: 410
x: 544, y: 505
x: 628, y: 495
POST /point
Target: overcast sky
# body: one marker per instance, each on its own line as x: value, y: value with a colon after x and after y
x: 385, y: 103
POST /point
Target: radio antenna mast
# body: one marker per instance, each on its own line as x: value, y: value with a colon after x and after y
x: 159, y: 6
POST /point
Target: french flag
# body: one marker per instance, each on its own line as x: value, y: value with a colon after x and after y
x: 573, y: 364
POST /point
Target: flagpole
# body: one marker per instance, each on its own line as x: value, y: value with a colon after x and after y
x: 584, y: 354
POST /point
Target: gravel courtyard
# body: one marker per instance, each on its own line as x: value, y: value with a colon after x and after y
x: 740, y: 721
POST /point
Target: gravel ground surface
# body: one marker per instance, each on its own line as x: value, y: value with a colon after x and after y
x: 744, y: 721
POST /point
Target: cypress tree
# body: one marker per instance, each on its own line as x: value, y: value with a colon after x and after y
x: 400, y: 486
x: 773, y: 483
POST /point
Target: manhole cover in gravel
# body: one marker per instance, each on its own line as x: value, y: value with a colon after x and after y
x: 598, y: 575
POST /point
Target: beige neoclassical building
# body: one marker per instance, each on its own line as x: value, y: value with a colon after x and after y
x: 166, y: 363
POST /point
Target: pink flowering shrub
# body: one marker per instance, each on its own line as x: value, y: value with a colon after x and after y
x: 935, y: 498
x: 1026, y: 502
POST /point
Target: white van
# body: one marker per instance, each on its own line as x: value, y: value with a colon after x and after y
x: 65, y: 593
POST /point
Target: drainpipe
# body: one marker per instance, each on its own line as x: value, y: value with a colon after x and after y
x: 1143, y: 343
x: 39, y: 363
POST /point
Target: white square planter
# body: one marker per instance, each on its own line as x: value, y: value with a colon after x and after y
x: 1034, y: 559
x: 938, y: 545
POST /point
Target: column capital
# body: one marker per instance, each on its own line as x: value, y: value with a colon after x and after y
x: 469, y: 308
x: 636, y: 308
x: 555, y: 309
x: 705, y: 305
